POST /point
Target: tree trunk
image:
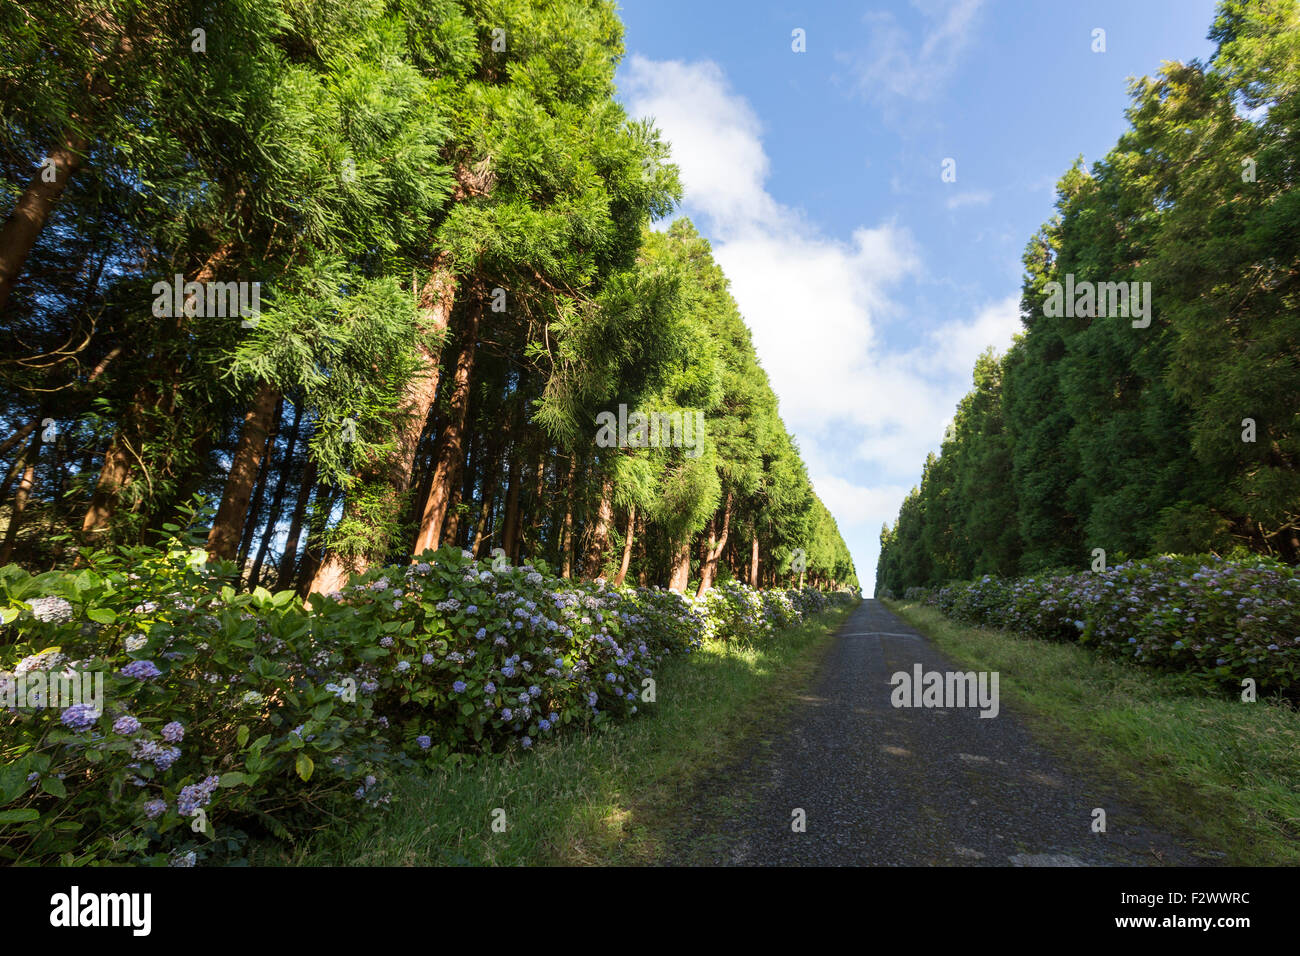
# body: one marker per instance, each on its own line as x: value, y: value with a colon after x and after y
x: 277, y: 500
x: 452, y: 442
x: 566, y: 527
x: 452, y: 525
x: 709, y: 570
x: 519, y: 527
x: 436, y: 300
x: 17, y: 437
x: 509, y: 522
x: 627, y: 547
x: 753, y: 560
x: 539, y: 493
x: 284, y: 576
x: 491, y: 479
x: 464, y: 490
x: 680, y: 569
x: 600, y: 533
x: 245, y: 468
x: 33, y: 208
x: 312, y: 559
x: 485, y: 513
x: 254, y: 519
x: 21, y: 495
x: 15, y: 469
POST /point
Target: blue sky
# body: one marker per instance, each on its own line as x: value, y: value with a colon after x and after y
x: 870, y: 283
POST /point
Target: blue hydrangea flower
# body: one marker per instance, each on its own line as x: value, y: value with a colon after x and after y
x: 141, y: 670
x: 425, y: 741
x: 458, y: 687
x: 79, y: 716
x: 126, y: 725
x: 173, y: 732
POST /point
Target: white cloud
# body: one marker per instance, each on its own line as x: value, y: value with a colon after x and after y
x: 957, y: 344
x: 865, y: 415
x: 895, y: 66
x: 977, y: 197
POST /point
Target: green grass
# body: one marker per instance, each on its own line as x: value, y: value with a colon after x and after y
x: 606, y: 797
x: 1225, y: 772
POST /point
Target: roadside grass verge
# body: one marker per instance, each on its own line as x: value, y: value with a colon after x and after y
x: 588, y: 797
x: 1225, y: 772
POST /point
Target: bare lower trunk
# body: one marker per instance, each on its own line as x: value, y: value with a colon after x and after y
x: 509, y: 522
x: 680, y: 572
x: 600, y: 533
x: 21, y: 496
x: 519, y: 533
x: 254, y: 441
x: 491, y: 480
x: 535, y: 507
x: 312, y: 558
x: 451, y: 526
x: 277, y: 501
x: 284, y: 576
x: 566, y: 528
x: 709, y: 570
x: 753, y: 561
x: 624, y: 564
x: 452, y: 442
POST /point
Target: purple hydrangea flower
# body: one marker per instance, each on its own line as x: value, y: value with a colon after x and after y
x: 196, y: 795
x: 126, y: 725
x: 425, y: 741
x: 79, y: 716
x: 141, y: 670
x: 173, y: 732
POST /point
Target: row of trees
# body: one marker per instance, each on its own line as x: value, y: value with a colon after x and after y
x: 446, y: 214
x: 1181, y: 436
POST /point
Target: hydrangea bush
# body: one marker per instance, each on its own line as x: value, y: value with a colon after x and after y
x: 211, y: 700
x: 227, y: 712
x: 1224, y: 620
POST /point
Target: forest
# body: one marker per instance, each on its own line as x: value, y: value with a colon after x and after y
x: 345, y: 281
x: 1172, y: 427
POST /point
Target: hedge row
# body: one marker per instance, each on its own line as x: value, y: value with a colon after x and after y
x: 1225, y: 620
x: 225, y: 713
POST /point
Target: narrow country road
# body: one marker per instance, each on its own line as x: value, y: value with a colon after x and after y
x: 886, y: 786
